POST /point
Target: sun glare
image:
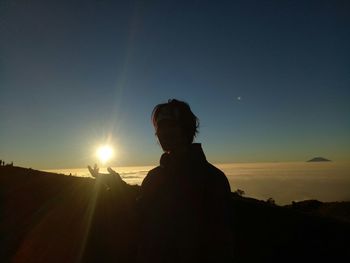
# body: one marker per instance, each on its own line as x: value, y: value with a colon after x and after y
x: 104, y: 153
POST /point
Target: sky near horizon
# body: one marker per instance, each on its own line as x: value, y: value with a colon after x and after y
x: 269, y: 80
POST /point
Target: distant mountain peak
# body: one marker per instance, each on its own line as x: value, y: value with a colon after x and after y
x: 318, y: 159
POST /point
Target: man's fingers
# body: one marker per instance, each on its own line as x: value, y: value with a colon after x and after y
x: 115, y: 175
x: 111, y: 171
x: 110, y: 180
x: 92, y: 171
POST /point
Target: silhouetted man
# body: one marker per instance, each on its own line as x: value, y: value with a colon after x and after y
x: 185, y: 201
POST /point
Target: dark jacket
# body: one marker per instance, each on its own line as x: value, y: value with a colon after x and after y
x: 185, y: 204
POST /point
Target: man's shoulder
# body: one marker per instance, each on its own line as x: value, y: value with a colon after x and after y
x: 151, y: 176
x: 217, y: 176
x: 213, y: 169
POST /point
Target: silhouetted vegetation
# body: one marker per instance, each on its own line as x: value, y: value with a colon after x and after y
x: 239, y: 192
x: 271, y: 201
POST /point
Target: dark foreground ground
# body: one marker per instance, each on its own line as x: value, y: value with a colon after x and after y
x: 47, y: 217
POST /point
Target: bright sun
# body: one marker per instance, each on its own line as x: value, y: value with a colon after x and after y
x: 104, y: 153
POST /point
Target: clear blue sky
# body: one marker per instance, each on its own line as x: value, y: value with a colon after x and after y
x: 74, y: 74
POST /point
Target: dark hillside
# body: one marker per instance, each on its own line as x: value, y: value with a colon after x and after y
x: 47, y: 217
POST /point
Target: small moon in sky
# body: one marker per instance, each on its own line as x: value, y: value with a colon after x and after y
x: 239, y: 98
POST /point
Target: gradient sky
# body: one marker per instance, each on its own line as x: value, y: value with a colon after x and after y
x: 269, y: 80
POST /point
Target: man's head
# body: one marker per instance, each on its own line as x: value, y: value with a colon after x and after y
x: 175, y: 124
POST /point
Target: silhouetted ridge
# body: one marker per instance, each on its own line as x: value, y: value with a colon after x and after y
x: 319, y: 159
x: 59, y: 218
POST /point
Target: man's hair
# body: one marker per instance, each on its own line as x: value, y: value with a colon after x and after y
x: 181, y: 113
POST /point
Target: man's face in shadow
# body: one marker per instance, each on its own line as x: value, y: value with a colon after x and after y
x: 171, y: 136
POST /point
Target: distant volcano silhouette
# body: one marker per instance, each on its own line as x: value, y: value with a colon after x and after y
x: 318, y: 159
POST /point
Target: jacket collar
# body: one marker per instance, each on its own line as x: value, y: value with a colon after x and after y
x: 193, y: 155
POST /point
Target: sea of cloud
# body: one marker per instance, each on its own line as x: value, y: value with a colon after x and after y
x: 284, y: 182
